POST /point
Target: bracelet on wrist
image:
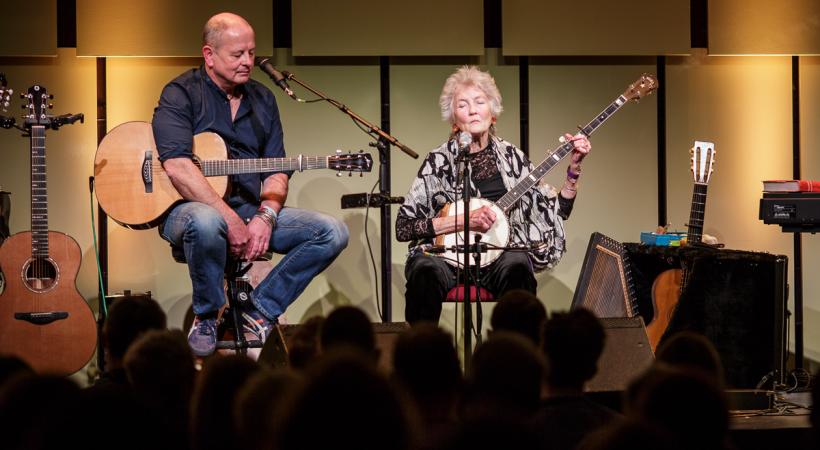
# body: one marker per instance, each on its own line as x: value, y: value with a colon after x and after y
x: 268, y: 210
x: 573, y: 175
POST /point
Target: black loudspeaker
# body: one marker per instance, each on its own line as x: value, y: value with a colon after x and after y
x: 737, y: 299
x: 605, y: 285
x: 277, y: 347
x: 626, y: 355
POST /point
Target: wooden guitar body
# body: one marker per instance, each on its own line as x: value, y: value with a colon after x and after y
x: 44, y: 290
x: 124, y: 155
x: 666, y: 291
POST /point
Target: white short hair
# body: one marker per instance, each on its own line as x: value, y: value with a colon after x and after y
x: 469, y: 76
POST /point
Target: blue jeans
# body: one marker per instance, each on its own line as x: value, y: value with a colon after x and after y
x: 309, y: 240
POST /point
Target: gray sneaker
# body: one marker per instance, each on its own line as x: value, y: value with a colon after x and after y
x: 202, y: 337
x: 256, y: 323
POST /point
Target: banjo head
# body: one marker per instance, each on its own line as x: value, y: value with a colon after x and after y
x: 497, y: 235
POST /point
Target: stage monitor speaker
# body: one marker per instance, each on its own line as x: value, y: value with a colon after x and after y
x: 605, y: 285
x: 626, y: 354
x: 276, y: 349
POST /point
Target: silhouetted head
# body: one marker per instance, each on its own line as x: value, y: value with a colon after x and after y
x: 425, y: 362
x: 680, y: 401
x: 127, y: 319
x: 348, y: 326
x: 351, y: 402
x: 521, y: 312
x: 572, y: 343
x: 691, y: 351
x: 507, y: 373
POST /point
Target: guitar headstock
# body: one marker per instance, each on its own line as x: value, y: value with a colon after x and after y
x: 703, y: 160
x: 38, y: 104
x: 644, y: 86
x: 350, y: 162
x: 5, y: 93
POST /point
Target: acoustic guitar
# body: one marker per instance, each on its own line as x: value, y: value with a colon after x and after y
x: 134, y: 190
x: 498, y: 235
x: 43, y: 318
x: 667, y: 287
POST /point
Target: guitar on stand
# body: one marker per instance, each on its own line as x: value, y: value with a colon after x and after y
x: 43, y: 318
x: 668, y: 286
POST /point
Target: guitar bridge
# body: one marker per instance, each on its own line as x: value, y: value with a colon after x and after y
x: 41, y: 318
x: 147, y: 174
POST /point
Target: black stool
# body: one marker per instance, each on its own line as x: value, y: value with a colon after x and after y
x: 238, y: 293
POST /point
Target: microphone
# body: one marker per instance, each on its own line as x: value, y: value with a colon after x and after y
x: 275, y: 75
x: 464, y: 141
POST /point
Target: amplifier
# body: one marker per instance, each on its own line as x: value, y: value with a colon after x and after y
x: 795, y: 211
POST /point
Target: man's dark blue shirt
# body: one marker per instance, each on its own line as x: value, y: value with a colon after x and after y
x: 192, y: 104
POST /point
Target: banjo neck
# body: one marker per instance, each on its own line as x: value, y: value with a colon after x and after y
x: 513, y: 195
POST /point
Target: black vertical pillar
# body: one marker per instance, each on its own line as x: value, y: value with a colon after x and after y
x: 524, y: 94
x: 663, y: 218
x: 102, y: 217
x: 798, y: 240
x: 384, y: 187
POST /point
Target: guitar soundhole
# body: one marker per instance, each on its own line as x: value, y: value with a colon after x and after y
x: 40, y: 274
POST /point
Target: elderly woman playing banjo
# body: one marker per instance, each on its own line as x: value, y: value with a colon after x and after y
x: 433, y: 210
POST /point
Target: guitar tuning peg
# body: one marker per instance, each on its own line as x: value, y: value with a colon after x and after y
x: 350, y: 174
x: 339, y: 174
x: 50, y: 105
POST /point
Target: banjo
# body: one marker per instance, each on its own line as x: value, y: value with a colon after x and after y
x: 498, y: 236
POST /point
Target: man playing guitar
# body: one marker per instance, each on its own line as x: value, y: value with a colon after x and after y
x: 220, y: 97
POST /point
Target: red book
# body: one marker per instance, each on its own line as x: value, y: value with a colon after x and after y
x: 791, y: 186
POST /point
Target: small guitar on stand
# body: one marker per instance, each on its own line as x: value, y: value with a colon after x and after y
x: 669, y: 285
x: 43, y: 318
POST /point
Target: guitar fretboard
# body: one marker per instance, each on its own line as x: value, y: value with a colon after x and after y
x: 215, y: 168
x: 39, y: 193
x: 697, y: 213
x: 511, y: 197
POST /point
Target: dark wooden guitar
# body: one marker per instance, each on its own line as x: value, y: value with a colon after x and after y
x: 134, y: 190
x: 43, y: 318
x: 668, y: 286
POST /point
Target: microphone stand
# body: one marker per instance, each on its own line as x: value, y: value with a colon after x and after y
x: 466, y: 196
x: 383, y: 145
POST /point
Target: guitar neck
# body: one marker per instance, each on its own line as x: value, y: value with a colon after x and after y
x: 215, y: 168
x: 510, y: 198
x: 39, y: 193
x: 697, y: 213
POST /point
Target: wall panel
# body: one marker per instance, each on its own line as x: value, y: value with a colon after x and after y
x: 154, y: 28
x: 597, y: 27
x: 387, y: 27
x: 28, y: 28
x: 761, y: 27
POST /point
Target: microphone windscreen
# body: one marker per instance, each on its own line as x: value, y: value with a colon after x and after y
x: 464, y: 139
